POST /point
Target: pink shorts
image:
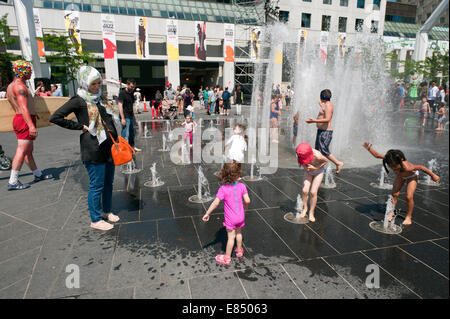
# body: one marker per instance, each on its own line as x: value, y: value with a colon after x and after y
x: 232, y: 226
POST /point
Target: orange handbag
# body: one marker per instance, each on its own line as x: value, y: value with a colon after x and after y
x: 121, y: 151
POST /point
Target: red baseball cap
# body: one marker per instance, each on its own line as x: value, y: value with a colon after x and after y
x: 304, y: 153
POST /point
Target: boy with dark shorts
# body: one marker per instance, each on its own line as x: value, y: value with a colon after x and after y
x: 324, y: 128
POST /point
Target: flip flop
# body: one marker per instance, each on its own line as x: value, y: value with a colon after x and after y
x: 112, y: 218
x: 224, y: 260
x: 239, y: 253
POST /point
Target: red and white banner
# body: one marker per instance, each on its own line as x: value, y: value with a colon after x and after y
x: 323, y: 47
x: 200, y: 40
x: 109, y: 37
x: 39, y: 34
x: 228, y: 44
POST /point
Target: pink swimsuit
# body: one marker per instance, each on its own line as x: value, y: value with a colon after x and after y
x: 231, y: 194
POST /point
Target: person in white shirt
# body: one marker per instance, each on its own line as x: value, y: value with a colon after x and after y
x: 237, y: 145
x: 433, y: 92
x: 137, y: 100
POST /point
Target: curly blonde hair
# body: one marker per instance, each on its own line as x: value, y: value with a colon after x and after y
x: 230, y: 172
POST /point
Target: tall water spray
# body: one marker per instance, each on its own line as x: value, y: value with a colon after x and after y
x: 355, y: 75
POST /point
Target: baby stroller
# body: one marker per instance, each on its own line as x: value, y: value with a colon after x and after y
x: 170, y: 109
x: 5, y: 162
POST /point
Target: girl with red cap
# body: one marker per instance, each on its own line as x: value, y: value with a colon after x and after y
x: 314, y: 164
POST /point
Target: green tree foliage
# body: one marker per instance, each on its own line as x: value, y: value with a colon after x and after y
x: 435, y: 67
x: 64, y: 57
x: 6, y: 58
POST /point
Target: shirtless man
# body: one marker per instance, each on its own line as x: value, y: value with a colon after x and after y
x: 24, y: 124
x: 324, y: 129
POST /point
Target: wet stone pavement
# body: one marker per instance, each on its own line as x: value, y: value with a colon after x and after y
x: 162, y: 249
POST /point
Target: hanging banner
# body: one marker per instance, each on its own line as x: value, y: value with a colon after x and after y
x: 173, y: 53
x: 301, y: 43
x: 72, y: 21
x: 323, y: 47
x: 341, y: 44
x: 109, y: 37
x: 142, y: 38
x: 39, y: 34
x: 255, y: 53
x: 228, y: 43
x: 200, y: 37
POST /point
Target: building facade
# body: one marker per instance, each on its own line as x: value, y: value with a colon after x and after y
x: 314, y: 16
x: 424, y: 10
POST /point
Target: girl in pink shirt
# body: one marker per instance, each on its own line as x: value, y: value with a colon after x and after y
x: 234, y: 196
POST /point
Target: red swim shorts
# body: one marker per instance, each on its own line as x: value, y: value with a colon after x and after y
x: 21, y: 128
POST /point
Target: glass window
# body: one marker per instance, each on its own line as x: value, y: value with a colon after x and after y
x: 359, y: 25
x: 219, y: 19
x: 48, y: 4
x: 164, y: 14
x: 326, y: 21
x: 306, y: 20
x: 284, y: 16
x: 172, y: 14
x: 203, y: 17
x: 306, y: 0
x: 96, y: 8
x: 114, y: 10
x: 57, y: 4
x: 87, y: 7
x: 360, y: 4
x: 344, y: 3
x: 131, y: 11
x: 180, y: 15
x: 105, y: 9
x: 326, y: 1
x: 342, y: 24
x: 147, y: 12
x: 376, y: 4
x: 374, y: 27
x: 140, y: 12
x: 123, y: 10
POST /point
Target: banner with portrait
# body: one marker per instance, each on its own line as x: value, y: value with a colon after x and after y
x: 256, y: 36
x: 173, y: 52
x: 301, y: 43
x: 228, y: 43
x: 341, y: 44
x: 141, y: 28
x: 200, y: 40
x: 323, y: 47
x: 109, y: 37
x: 39, y: 34
x: 72, y: 22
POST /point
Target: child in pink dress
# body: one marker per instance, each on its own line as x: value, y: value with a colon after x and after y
x: 234, y: 196
x: 189, y: 127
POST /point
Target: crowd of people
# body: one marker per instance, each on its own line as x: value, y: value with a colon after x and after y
x: 97, y: 120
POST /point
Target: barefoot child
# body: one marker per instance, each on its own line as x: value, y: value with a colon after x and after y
x: 295, y: 129
x: 405, y: 173
x: 189, y: 126
x: 234, y: 195
x: 324, y: 129
x: 237, y: 145
x: 441, y: 116
x: 314, y: 164
x: 425, y: 110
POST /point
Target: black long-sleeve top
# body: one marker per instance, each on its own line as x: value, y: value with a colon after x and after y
x: 90, y: 149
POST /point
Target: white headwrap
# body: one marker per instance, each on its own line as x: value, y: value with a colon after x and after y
x: 86, y: 76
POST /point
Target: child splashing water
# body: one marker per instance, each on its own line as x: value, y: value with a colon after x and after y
x: 405, y: 173
x: 234, y: 195
x: 189, y: 127
x: 314, y: 164
x: 237, y: 145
